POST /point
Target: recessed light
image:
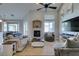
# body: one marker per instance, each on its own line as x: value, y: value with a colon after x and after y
x: 12, y: 14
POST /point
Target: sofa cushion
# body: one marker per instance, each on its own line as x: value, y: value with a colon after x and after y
x: 73, y: 43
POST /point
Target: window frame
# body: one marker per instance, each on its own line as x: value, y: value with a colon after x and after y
x: 49, y: 26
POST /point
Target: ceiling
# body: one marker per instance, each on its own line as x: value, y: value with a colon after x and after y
x: 19, y: 10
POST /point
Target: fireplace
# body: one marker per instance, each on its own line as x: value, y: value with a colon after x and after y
x: 36, y: 33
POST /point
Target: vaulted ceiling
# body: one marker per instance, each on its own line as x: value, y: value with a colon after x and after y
x: 19, y: 10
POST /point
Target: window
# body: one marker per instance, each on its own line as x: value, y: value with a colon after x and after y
x: 66, y: 26
x: 49, y: 26
x: 25, y: 28
x: 5, y: 27
x: 12, y: 27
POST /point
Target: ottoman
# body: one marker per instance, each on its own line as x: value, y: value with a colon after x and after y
x: 37, y: 44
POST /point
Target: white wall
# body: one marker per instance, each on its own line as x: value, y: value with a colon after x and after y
x: 21, y: 26
x: 35, y: 16
x: 57, y: 26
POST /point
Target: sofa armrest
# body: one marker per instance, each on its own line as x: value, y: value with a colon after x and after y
x: 65, y: 51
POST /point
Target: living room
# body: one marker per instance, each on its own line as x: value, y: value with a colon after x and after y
x: 38, y: 29
x: 15, y: 26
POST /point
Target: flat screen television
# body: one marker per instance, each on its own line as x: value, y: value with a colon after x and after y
x: 72, y: 24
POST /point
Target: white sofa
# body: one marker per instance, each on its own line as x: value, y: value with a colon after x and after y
x: 20, y: 43
x: 1, y: 50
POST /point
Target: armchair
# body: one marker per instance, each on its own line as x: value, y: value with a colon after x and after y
x: 49, y: 37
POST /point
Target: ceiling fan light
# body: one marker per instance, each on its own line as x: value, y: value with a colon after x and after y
x: 53, y: 3
x: 0, y: 20
x: 37, y: 3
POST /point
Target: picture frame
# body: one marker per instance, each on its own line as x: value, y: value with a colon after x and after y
x: 36, y: 24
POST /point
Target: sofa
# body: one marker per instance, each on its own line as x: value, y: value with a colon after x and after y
x: 66, y: 51
x: 21, y: 40
x: 71, y: 49
x: 1, y: 50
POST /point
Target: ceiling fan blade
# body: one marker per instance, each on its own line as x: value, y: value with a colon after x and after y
x: 49, y: 3
x: 42, y: 4
x: 52, y: 7
x: 39, y: 9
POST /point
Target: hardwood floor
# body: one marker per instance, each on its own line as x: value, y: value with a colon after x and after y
x: 47, y: 50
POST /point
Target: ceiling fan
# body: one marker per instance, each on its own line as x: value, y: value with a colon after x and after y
x: 46, y: 6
